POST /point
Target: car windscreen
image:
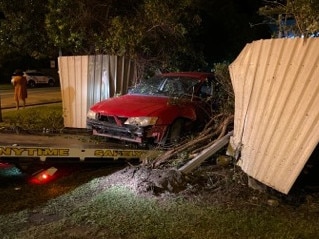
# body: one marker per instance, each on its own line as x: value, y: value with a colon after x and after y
x: 165, y: 86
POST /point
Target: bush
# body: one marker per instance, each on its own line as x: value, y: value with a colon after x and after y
x: 225, y: 93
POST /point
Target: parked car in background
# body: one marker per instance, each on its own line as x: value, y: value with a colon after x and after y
x: 36, y: 78
x: 158, y: 110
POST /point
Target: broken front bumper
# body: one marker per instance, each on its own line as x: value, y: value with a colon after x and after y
x: 129, y: 133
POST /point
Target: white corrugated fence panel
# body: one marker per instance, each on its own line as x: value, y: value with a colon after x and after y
x: 73, y: 71
x: 109, y: 75
x: 276, y: 123
x: 86, y: 80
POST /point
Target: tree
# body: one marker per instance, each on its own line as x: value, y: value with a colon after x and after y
x: 152, y: 31
x: 75, y: 27
x: 22, y: 30
x: 164, y: 34
x: 305, y: 15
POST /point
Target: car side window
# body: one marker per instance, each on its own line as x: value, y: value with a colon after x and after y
x: 206, y: 89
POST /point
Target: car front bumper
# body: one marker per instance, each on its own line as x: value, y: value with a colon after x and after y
x: 128, y: 133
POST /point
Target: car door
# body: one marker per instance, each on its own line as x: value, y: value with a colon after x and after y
x: 41, y: 78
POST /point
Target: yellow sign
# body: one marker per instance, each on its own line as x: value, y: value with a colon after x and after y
x: 117, y: 153
x: 68, y: 152
x: 13, y: 151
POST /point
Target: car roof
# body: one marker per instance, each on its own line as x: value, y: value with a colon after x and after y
x: 32, y: 71
x: 195, y: 74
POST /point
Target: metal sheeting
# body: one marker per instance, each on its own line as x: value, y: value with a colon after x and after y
x: 86, y: 80
x: 73, y: 71
x: 276, y: 122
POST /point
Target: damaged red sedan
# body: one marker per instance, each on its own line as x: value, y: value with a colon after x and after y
x: 159, y: 110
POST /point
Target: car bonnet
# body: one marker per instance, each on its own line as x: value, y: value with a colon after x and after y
x: 132, y: 105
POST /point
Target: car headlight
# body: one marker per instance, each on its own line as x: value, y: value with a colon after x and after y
x: 141, y: 121
x: 91, y: 114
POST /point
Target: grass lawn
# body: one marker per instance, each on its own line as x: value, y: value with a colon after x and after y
x: 35, y: 118
x: 6, y: 87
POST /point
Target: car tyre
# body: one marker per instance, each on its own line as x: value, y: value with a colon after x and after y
x: 31, y: 83
x: 176, y: 131
x: 51, y: 83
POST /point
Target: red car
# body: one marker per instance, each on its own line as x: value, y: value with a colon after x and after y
x: 158, y: 110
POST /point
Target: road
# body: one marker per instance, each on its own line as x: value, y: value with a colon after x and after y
x: 36, y: 96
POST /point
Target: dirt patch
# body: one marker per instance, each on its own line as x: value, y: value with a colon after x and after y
x: 212, y: 184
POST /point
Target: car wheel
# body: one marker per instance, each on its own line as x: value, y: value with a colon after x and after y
x: 51, y: 83
x: 176, y: 131
x: 31, y: 83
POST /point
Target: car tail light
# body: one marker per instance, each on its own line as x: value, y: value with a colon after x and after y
x: 43, y: 176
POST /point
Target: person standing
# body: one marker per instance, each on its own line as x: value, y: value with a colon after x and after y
x: 19, y: 82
